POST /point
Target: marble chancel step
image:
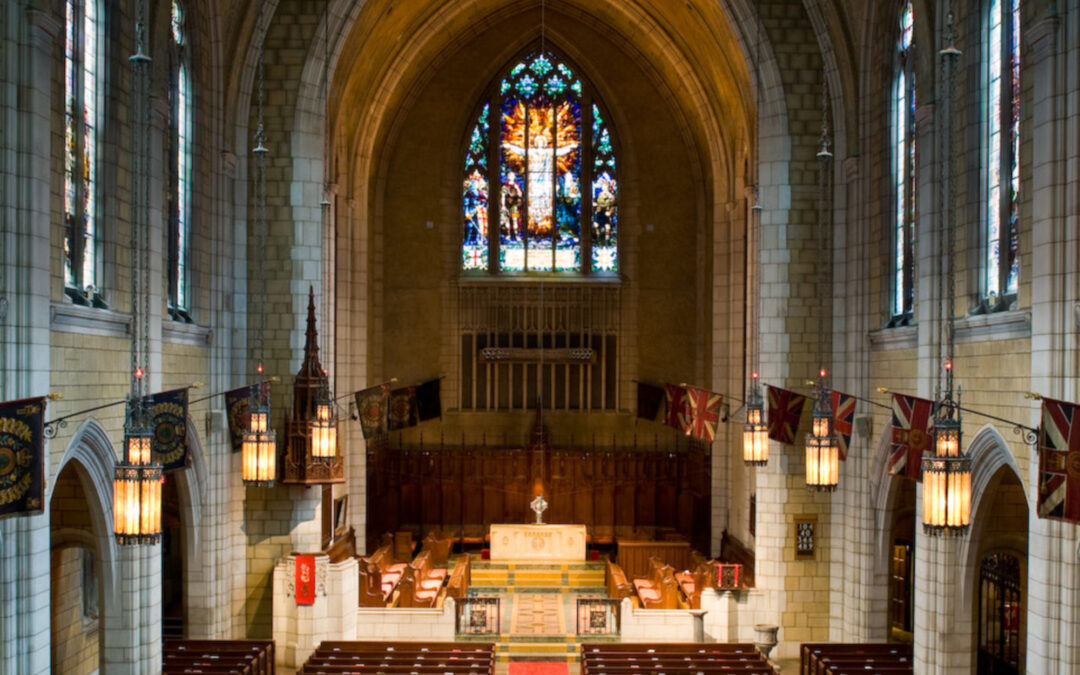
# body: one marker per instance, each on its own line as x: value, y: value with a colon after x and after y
x: 567, y: 576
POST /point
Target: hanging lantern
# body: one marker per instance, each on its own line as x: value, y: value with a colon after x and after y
x: 947, y: 476
x: 324, y: 430
x: 755, y: 433
x: 822, y: 449
x: 259, y: 450
x: 137, y: 492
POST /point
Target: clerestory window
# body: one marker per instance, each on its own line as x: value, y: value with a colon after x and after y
x: 903, y: 170
x: 180, y: 127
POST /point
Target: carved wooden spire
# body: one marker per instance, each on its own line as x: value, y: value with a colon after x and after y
x: 311, y: 381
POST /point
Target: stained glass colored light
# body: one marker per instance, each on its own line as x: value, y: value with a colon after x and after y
x: 181, y: 113
x: 536, y: 122
x: 1003, y: 149
x: 605, y: 198
x: 80, y: 166
x: 474, y: 249
x: 904, y: 169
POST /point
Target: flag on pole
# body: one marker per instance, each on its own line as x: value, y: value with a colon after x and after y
x: 402, y: 409
x: 1059, y: 461
x: 237, y: 410
x: 843, y: 410
x: 168, y: 423
x: 371, y: 406
x: 428, y: 403
x: 649, y: 400
x: 912, y: 435
x: 704, y: 413
x: 678, y: 408
x: 785, y: 414
x: 22, y: 456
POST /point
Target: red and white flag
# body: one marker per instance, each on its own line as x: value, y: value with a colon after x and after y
x: 1059, y: 461
x: 678, y: 408
x: 843, y: 410
x: 912, y: 434
x: 704, y: 413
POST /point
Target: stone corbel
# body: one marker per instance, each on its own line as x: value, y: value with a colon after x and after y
x: 1042, y: 37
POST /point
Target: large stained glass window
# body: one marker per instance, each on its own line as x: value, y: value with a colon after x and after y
x: 179, y: 232
x: 1002, y: 262
x: 903, y: 276
x: 540, y: 168
x: 80, y: 150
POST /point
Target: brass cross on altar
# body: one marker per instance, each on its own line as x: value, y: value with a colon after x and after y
x: 539, y: 505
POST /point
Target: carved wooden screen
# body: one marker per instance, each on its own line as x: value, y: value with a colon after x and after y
x: 519, y: 342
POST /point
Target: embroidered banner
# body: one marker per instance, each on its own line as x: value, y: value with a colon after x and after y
x: 168, y: 422
x: 843, y: 410
x: 1059, y: 462
x: 22, y: 456
x: 371, y: 405
x: 912, y: 434
x: 305, y: 580
x: 402, y: 408
x: 237, y: 411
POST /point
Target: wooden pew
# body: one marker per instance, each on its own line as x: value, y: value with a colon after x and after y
x: 457, y: 584
x: 342, y: 548
x: 616, y: 582
x: 420, y: 582
x: 373, y: 593
x: 217, y: 657
x: 692, y: 583
x: 658, y: 590
x: 439, y: 546
x: 692, y: 658
x: 404, y: 658
x: 834, y: 657
x: 633, y: 556
x: 403, y: 547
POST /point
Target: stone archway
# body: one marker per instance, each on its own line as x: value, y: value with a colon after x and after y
x: 81, y: 529
x: 999, y: 531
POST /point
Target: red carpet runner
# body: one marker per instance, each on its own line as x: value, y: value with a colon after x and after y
x: 538, y: 668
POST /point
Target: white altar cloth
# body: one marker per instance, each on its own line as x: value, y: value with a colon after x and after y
x: 538, y: 542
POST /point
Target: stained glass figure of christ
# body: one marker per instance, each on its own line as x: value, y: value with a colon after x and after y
x: 542, y: 140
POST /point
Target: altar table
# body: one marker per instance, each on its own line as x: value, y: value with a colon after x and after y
x: 538, y: 542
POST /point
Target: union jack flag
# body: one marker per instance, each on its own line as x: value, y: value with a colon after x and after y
x: 678, y: 408
x: 1059, y: 462
x: 704, y: 413
x: 843, y: 411
x: 912, y: 434
x: 785, y: 413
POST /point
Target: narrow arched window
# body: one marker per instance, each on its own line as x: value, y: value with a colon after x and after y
x: 541, y: 192
x: 179, y: 230
x: 1001, y: 261
x: 903, y: 171
x: 81, y: 79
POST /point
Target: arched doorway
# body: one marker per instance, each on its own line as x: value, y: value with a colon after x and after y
x: 173, y: 616
x: 902, y: 564
x: 76, y: 585
x: 999, y: 568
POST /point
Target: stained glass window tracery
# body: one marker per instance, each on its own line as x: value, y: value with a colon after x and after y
x: 1001, y: 255
x: 533, y: 146
x: 903, y: 286
x: 180, y: 160
x: 80, y: 148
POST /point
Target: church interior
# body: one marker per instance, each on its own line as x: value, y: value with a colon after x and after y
x: 540, y: 336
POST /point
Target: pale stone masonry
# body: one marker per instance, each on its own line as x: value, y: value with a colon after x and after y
x: 710, y: 290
